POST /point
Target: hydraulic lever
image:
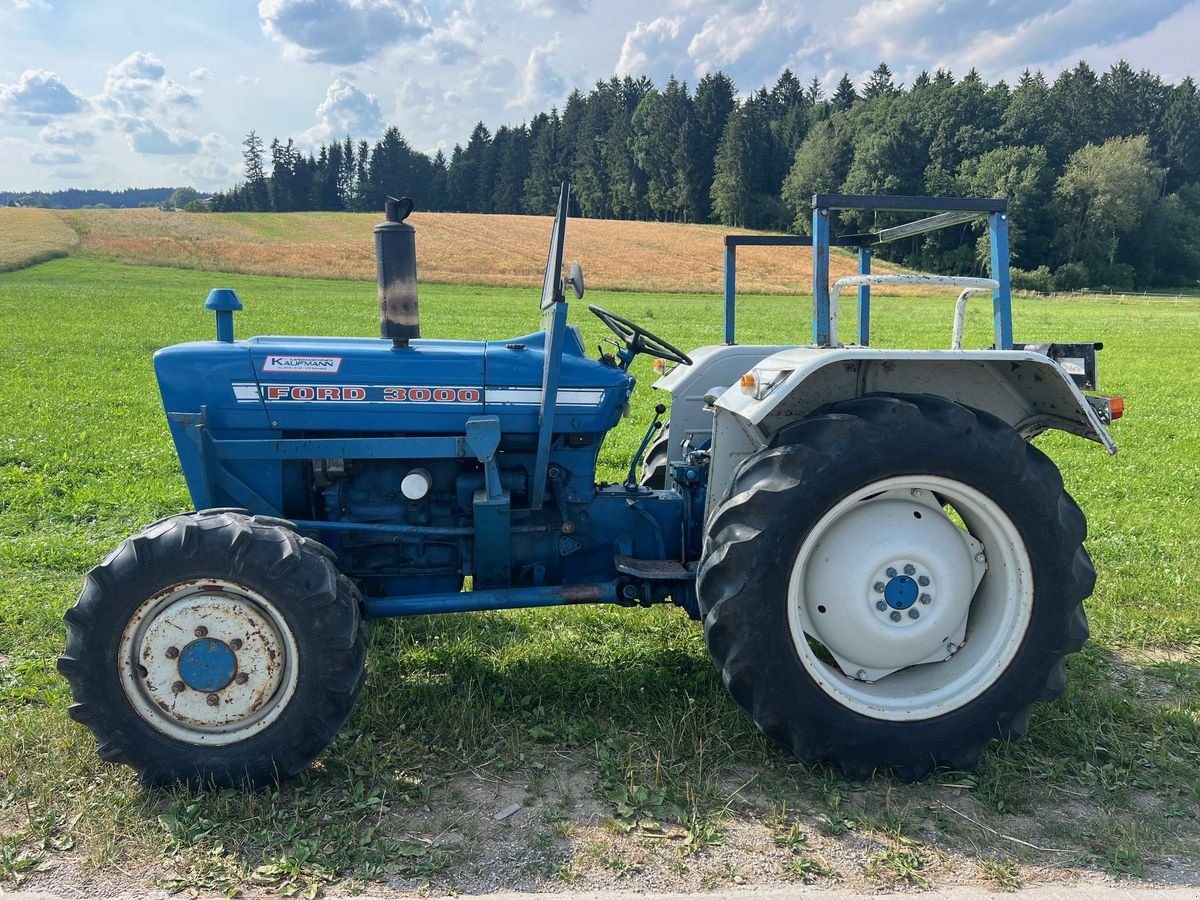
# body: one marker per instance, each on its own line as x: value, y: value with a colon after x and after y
x: 631, y: 478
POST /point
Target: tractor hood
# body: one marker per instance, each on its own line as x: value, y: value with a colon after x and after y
x: 339, y: 385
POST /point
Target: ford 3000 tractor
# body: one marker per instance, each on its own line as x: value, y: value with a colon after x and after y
x: 888, y: 573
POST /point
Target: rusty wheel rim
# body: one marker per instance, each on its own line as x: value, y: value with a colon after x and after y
x: 208, y: 662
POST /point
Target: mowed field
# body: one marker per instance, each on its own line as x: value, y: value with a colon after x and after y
x: 452, y: 248
x: 608, y: 727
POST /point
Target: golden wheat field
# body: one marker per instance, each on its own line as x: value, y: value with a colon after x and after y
x: 29, y: 236
x: 452, y: 248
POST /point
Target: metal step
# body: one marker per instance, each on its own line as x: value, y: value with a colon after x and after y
x: 653, y: 569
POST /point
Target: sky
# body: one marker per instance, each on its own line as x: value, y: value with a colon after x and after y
x: 151, y: 93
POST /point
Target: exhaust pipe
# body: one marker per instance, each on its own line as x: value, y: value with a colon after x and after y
x: 396, y: 271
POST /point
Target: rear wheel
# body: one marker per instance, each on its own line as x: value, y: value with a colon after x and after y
x: 654, y: 466
x: 215, y: 648
x: 894, y: 583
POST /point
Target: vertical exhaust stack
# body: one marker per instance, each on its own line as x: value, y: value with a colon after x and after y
x: 396, y: 270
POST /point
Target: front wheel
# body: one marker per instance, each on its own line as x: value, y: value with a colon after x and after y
x: 215, y: 648
x: 893, y: 583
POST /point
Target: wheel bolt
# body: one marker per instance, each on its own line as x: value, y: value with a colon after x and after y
x: 923, y: 581
x: 895, y: 616
x: 916, y: 492
x: 242, y: 678
x: 172, y: 652
x: 861, y: 675
x: 914, y: 614
x: 177, y: 687
x: 880, y: 605
x: 952, y: 648
x: 201, y: 631
x: 926, y: 599
x: 212, y: 699
x: 891, y: 572
x: 980, y: 558
x: 235, y: 644
x: 910, y: 569
x: 879, y: 586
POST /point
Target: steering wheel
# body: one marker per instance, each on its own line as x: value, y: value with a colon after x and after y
x: 638, y: 340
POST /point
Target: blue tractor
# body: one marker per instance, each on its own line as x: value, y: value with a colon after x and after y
x: 889, y: 574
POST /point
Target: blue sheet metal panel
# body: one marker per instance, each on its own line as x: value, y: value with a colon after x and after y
x: 1002, y: 296
x: 730, y: 290
x: 590, y: 395
x: 312, y: 384
x: 864, y: 297
x: 820, y: 249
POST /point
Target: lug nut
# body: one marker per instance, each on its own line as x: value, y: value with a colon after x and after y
x: 172, y: 652
x: 879, y: 586
x: 242, y: 678
x: 212, y: 700
x: 861, y: 675
x: 910, y: 569
x: 916, y: 492
x: 923, y: 581
x: 952, y: 648
x: 914, y: 614
x: 235, y: 644
x: 201, y: 631
x: 926, y: 599
x: 891, y: 572
x: 880, y: 605
x: 177, y: 687
x: 980, y: 558
x: 895, y: 616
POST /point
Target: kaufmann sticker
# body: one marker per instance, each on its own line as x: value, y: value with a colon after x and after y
x: 328, y: 364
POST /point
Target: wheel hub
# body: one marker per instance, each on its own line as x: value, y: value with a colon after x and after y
x: 900, y: 592
x: 207, y: 664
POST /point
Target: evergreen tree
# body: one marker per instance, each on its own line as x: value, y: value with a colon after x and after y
x: 880, y: 84
x: 255, y: 197
x: 545, y: 175
x: 845, y: 96
x: 1182, y: 126
x: 712, y: 105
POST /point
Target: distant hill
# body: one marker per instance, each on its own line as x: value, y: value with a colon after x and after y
x: 452, y: 248
x: 77, y: 198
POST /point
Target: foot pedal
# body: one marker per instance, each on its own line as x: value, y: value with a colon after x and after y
x: 653, y: 569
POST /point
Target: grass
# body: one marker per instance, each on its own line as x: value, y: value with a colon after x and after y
x: 618, y: 710
x: 454, y: 248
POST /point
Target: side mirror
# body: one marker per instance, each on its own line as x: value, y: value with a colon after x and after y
x: 575, y: 280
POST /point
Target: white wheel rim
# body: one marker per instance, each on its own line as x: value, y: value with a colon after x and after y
x: 973, y: 607
x: 208, y: 662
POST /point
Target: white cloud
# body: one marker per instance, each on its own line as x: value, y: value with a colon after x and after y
x: 541, y: 84
x: 764, y: 33
x: 66, y: 135
x: 37, y: 97
x: 138, y: 86
x: 55, y: 156
x: 23, y: 5
x: 1041, y: 38
x: 200, y: 74
x: 346, y: 109
x: 342, y: 31
x: 218, y: 165
x: 651, y: 45
x: 150, y: 107
x: 149, y: 138
x: 548, y: 8
x: 455, y: 41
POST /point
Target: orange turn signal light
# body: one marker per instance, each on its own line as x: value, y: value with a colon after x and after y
x: 749, y: 383
x: 660, y: 366
x: 1116, y: 407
